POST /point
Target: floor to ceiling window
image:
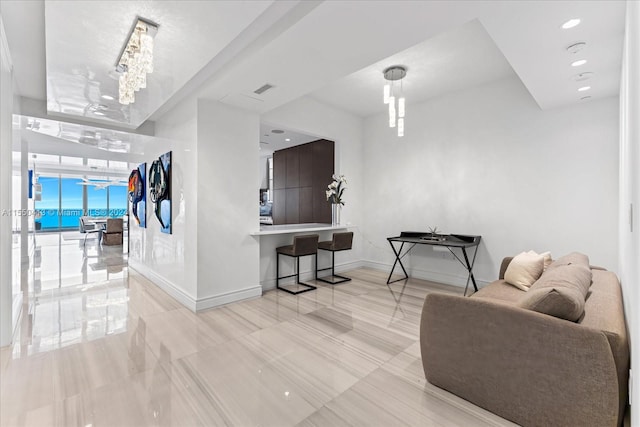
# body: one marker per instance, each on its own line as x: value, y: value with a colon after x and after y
x: 61, y: 198
x: 117, y: 201
x: 70, y: 202
x: 97, y: 198
x: 48, y: 207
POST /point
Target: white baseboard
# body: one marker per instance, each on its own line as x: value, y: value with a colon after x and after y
x: 310, y: 274
x: 433, y: 276
x: 229, y: 297
x: 187, y: 300
x: 164, y: 284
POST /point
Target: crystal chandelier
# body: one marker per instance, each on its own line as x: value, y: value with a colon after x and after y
x: 393, y: 95
x: 136, y: 60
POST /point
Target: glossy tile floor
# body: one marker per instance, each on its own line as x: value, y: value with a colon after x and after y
x: 102, y: 346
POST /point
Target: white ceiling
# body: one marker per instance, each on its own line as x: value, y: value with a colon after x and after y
x: 271, y: 141
x: 333, y: 50
x: 55, y: 137
x: 84, y: 39
x: 337, y: 39
x: 24, y: 25
x: 458, y: 59
x: 530, y: 36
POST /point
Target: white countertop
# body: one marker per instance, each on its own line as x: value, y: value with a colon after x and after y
x: 295, y: 228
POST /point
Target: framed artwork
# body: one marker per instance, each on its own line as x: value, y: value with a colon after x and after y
x: 160, y: 190
x: 138, y: 194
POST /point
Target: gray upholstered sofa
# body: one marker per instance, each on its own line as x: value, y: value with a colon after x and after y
x: 526, y: 366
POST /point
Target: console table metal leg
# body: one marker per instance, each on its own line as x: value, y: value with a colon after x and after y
x: 470, y: 270
x: 398, y: 260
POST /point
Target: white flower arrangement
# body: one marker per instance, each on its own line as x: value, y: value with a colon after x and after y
x: 336, y: 190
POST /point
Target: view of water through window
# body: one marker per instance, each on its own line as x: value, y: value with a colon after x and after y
x: 62, y: 201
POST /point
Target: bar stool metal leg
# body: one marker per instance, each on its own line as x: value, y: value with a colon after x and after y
x: 341, y: 279
x: 308, y: 287
x: 302, y: 246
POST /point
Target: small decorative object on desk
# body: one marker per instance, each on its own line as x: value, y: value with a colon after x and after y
x: 434, y: 234
x: 334, y: 196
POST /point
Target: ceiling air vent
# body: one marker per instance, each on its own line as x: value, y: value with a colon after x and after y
x: 583, y: 76
x: 263, y: 89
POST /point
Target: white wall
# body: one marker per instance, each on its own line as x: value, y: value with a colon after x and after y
x: 228, y: 257
x: 263, y: 171
x: 170, y: 260
x: 6, y: 109
x: 629, y: 245
x: 220, y: 196
x: 488, y: 161
x: 210, y: 258
x: 308, y: 116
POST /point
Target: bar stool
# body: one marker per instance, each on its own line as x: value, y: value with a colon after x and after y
x: 302, y: 246
x: 340, y: 242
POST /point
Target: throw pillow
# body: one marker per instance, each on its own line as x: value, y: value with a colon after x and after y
x: 563, y: 303
x: 572, y: 258
x: 546, y: 256
x: 524, y: 269
x: 573, y: 276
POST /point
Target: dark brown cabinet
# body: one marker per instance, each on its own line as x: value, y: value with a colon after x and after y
x: 293, y: 167
x: 305, y: 172
x: 279, y: 211
x: 300, y: 177
x: 306, y: 205
x: 280, y: 165
x: 292, y: 215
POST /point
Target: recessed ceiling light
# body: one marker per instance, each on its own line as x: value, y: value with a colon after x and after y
x: 584, y: 88
x: 287, y: 139
x: 277, y: 131
x: 578, y: 62
x: 98, y: 113
x: 107, y: 97
x: 571, y: 23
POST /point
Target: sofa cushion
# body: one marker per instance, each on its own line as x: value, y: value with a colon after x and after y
x: 572, y: 258
x: 562, y: 302
x: 524, y: 269
x: 560, y: 292
x: 500, y: 291
x: 572, y: 276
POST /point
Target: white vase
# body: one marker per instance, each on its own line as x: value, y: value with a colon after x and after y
x: 335, y: 213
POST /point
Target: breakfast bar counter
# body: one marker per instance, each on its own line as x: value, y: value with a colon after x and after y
x: 273, y: 236
x: 296, y: 228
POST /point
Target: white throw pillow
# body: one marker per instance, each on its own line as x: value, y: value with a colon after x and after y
x: 547, y: 258
x: 524, y: 269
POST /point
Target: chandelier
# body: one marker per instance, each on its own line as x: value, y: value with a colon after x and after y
x: 136, y: 60
x: 394, y: 96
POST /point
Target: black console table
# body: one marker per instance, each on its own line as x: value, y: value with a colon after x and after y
x: 449, y: 241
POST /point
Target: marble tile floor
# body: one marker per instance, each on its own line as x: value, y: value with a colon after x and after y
x: 121, y: 352
x: 70, y: 291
